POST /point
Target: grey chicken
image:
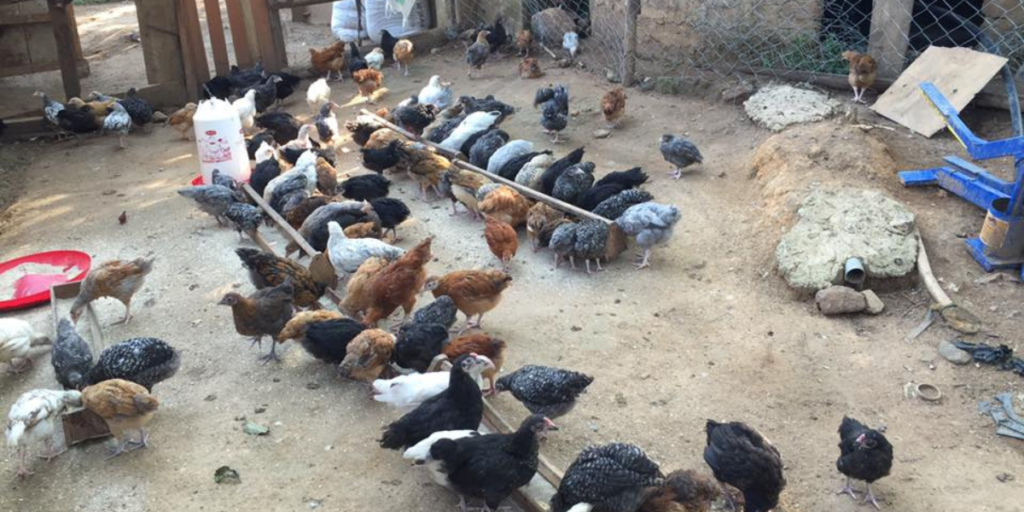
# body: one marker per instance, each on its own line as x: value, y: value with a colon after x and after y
x: 563, y: 243
x: 347, y: 254
x: 212, y: 199
x: 118, y: 121
x: 266, y: 93
x: 679, y: 152
x: 545, y: 390
x: 245, y: 217
x: 591, y: 241
x: 613, y: 207
x: 553, y: 121
x: 219, y: 178
x: 476, y: 54
x: 508, y: 152
x: 574, y: 183
x: 609, y: 478
x: 144, y: 361
x: 71, y: 357
x: 651, y: 224
x: 481, y: 152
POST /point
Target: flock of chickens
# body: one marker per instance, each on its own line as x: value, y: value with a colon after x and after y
x: 347, y: 218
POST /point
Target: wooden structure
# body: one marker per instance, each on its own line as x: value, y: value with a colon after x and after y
x: 31, y: 33
x: 890, y: 35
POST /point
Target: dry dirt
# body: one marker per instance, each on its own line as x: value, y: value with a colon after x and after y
x: 710, y: 332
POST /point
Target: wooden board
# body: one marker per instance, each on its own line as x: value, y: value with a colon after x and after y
x: 959, y: 73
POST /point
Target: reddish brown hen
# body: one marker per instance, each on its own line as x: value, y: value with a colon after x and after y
x: 474, y: 292
x: 480, y: 344
x: 502, y: 240
x: 398, y: 284
x: 116, y: 279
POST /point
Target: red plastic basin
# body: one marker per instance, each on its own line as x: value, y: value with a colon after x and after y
x: 34, y: 289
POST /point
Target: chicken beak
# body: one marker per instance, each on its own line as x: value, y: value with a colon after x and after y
x: 860, y: 440
x: 550, y: 425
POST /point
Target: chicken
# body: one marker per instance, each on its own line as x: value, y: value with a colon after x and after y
x: 502, y: 240
x: 367, y: 355
x: 50, y: 108
x: 286, y: 87
x: 611, y: 478
x: 398, y: 284
x: 246, y: 108
x: 219, y: 87
x: 181, y: 120
x: 504, y: 154
x: 444, y: 127
x: 30, y: 421
x: 246, y: 218
x: 474, y: 123
x: 544, y: 390
x: 16, y: 339
x: 326, y: 123
x: 506, y: 205
x: 679, y: 152
x: 415, y: 116
x: 864, y: 454
x: 442, y: 311
x: 292, y: 150
x: 144, y: 361
x: 406, y: 392
x: 497, y: 36
x: 424, y: 166
x: 627, y: 179
x: 263, y: 313
x: 482, y: 345
x: 563, y: 243
x: 524, y: 43
x: 296, y: 328
x: 555, y: 113
x: 571, y: 44
x: 381, y: 139
x: 574, y: 183
x: 464, y: 185
x: 741, y: 457
x: 356, y: 61
x: 245, y: 78
x: 329, y: 60
x: 488, y: 103
x: 388, y: 43
x: 368, y: 81
x: 404, y: 55
x: 267, y: 270
x: 490, y: 467
x: 375, y: 59
x: 863, y: 70
x: 530, y: 68
x: 651, y: 224
x: 365, y: 187
x: 211, y: 199
x: 380, y: 160
x: 591, y: 241
x: 475, y: 292
x: 299, y: 208
x: 551, y: 174
x: 281, y: 125
x: 347, y: 254
x: 326, y: 177
x: 392, y: 212
x: 124, y: 406
x: 71, y: 357
x: 77, y: 120
x: 459, y: 407
x: 329, y: 340
x: 613, y: 207
x: 613, y: 106
x: 530, y: 174
x: 254, y: 145
x: 357, y: 291
x: 137, y: 108
x: 418, y: 348
x: 420, y: 453
x: 346, y: 213
x: 538, y: 218
x: 485, y: 147
x: 118, y: 121
x: 476, y: 54
x: 682, y: 491
x: 436, y: 93
x: 116, y: 279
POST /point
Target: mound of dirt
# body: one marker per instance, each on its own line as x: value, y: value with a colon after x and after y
x: 778, y: 106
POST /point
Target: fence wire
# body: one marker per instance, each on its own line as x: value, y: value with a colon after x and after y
x: 763, y: 39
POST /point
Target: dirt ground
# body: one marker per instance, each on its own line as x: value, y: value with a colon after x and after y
x: 710, y: 332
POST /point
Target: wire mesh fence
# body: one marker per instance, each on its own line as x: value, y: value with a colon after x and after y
x: 765, y: 39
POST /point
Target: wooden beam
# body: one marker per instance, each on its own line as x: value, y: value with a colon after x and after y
x: 890, y: 35
x: 291, y: 4
x: 190, y: 37
x: 264, y: 36
x: 25, y: 128
x: 277, y: 38
x: 628, y: 72
x: 218, y: 43
x: 65, y: 40
x: 239, y: 34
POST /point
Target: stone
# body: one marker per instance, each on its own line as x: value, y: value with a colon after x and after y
x: 602, y: 133
x: 951, y: 353
x: 738, y: 93
x: 226, y: 475
x: 435, y: 51
x: 839, y: 300
x: 255, y: 429
x: 778, y: 106
x: 875, y: 304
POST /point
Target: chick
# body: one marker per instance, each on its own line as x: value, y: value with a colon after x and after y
x: 124, y: 406
x: 71, y: 357
x: 485, y: 147
x: 530, y: 68
x: 524, y: 43
x: 574, y: 183
x: 507, y: 205
x: 679, y: 152
x: 436, y: 93
x: 442, y: 311
x: 368, y: 81
x: 116, y: 279
x: 591, y: 241
x: 571, y: 44
x: 532, y: 173
x: 31, y: 421
x: 476, y: 54
x: 16, y: 339
x: 375, y: 59
x: 563, y: 243
x: 144, y: 361
x: 211, y: 199
x: 651, y: 224
x: 265, y: 312
x: 537, y: 220
x: 682, y: 491
x: 613, y: 106
x: 367, y: 355
x: 245, y: 217
x: 403, y: 55
x: 863, y: 70
x: 502, y: 240
x: 553, y: 121
x: 118, y: 121
x: 181, y: 120
x: 545, y: 390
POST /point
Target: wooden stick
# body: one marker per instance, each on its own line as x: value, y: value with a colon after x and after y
x: 551, y: 53
x: 924, y: 271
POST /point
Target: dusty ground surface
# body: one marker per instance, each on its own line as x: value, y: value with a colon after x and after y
x: 710, y: 332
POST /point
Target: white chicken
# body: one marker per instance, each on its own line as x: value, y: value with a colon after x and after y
x: 347, y: 254
x: 31, y: 421
x: 437, y: 93
x: 419, y: 453
x: 473, y: 123
x: 571, y: 43
x: 375, y: 59
x: 265, y: 152
x: 16, y: 338
x: 246, y: 108
x: 318, y: 93
x: 306, y: 164
x: 412, y: 389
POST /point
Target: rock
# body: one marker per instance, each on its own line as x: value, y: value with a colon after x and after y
x: 840, y: 300
x: 159, y: 117
x: 255, y: 429
x: 312, y: 386
x: 1005, y: 477
x: 435, y: 51
x: 778, y: 106
x: 738, y: 93
x: 950, y: 353
x: 602, y: 133
x: 226, y: 475
x: 875, y: 304
x: 549, y: 25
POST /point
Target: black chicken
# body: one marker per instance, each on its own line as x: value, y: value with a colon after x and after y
x: 597, y: 194
x: 415, y: 116
x: 327, y: 340
x: 138, y: 109
x: 392, y: 212
x: 266, y: 93
x: 286, y: 87
x: 628, y: 179
x: 467, y: 146
x: 864, y: 454
x: 492, y: 466
x: 77, y: 120
x: 418, y: 344
x: 441, y: 311
x: 443, y: 130
x: 356, y: 62
x: 498, y: 36
x: 556, y: 169
x: 459, y: 407
x: 362, y: 128
x: 242, y: 79
x: 544, y: 390
x: 481, y: 151
x: 609, y: 478
x: 380, y: 160
x: 365, y: 187
x: 263, y: 173
x: 741, y: 457
x: 487, y: 104
x: 281, y: 125
x: 144, y: 361
x: 318, y: 233
x: 387, y: 43
x: 252, y: 144
x: 71, y: 357
x: 218, y: 87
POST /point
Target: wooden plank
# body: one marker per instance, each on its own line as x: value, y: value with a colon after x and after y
x: 960, y: 73
x: 25, y: 128
x: 168, y: 94
x: 218, y: 43
x: 190, y: 35
x: 890, y: 35
x: 264, y: 37
x: 277, y: 38
x: 239, y: 34
x: 65, y: 47
x: 23, y: 19
x: 28, y: 69
x: 73, y: 22
x: 161, y: 47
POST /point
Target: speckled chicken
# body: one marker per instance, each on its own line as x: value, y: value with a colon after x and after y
x: 125, y: 406
x: 245, y: 217
x: 574, y: 183
x: 608, y: 478
x: 211, y: 199
x: 530, y: 175
x: 475, y: 292
x: 118, y: 121
x: 138, y: 108
x: 591, y: 242
x: 613, y: 207
x: 71, y: 357
x: 651, y: 224
x: 263, y: 313
x: 415, y: 116
x: 31, y: 421
x: 551, y: 174
x: 741, y: 457
x: 544, y: 390
x: 563, y: 243
x: 266, y: 270
x: 17, y: 337
x: 144, y: 361
x: 116, y: 279
x: 682, y: 491
x: 679, y: 152
x: 864, y: 454
x: 348, y: 254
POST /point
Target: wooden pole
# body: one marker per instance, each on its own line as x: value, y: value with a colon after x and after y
x: 218, y: 43
x: 277, y: 37
x: 890, y: 35
x: 359, y: 22
x: 239, y: 34
x: 65, y: 40
x: 193, y: 52
x: 265, y: 36
x: 629, y: 53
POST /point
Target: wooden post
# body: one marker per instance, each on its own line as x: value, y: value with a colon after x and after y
x: 239, y: 34
x: 193, y: 52
x: 218, y: 43
x: 277, y: 36
x: 629, y: 53
x: 65, y: 40
x: 359, y: 22
x: 890, y: 35
x: 265, y: 37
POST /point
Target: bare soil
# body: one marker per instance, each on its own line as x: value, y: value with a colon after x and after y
x: 710, y: 332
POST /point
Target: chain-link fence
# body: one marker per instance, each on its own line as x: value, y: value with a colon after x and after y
x: 766, y: 39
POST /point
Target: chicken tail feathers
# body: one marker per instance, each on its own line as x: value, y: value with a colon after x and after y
x: 394, y: 437
x: 14, y: 432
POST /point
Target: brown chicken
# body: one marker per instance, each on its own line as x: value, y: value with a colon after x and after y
x: 613, y: 106
x: 367, y: 355
x: 368, y: 81
x: 330, y: 60
x: 296, y: 215
x: 506, y: 205
x: 182, y: 120
x: 296, y: 327
x: 264, y: 313
x: 502, y: 240
x: 266, y: 269
x: 326, y: 177
x: 481, y: 344
x: 538, y: 219
x: 524, y: 43
x: 115, y: 279
x: 530, y: 68
x: 464, y: 187
x: 863, y: 70
x: 363, y: 230
x: 124, y: 406
x: 398, y: 284
x: 682, y: 491
x: 381, y: 138
x: 475, y: 292
x: 357, y: 290
x: 403, y: 55
x: 424, y: 166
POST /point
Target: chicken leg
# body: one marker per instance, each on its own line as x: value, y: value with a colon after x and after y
x: 646, y: 261
x: 870, y: 498
x: 676, y: 174
x: 256, y: 341
x: 50, y: 452
x: 127, y: 313
x: 272, y: 356
x: 848, y: 489
x: 23, y: 470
